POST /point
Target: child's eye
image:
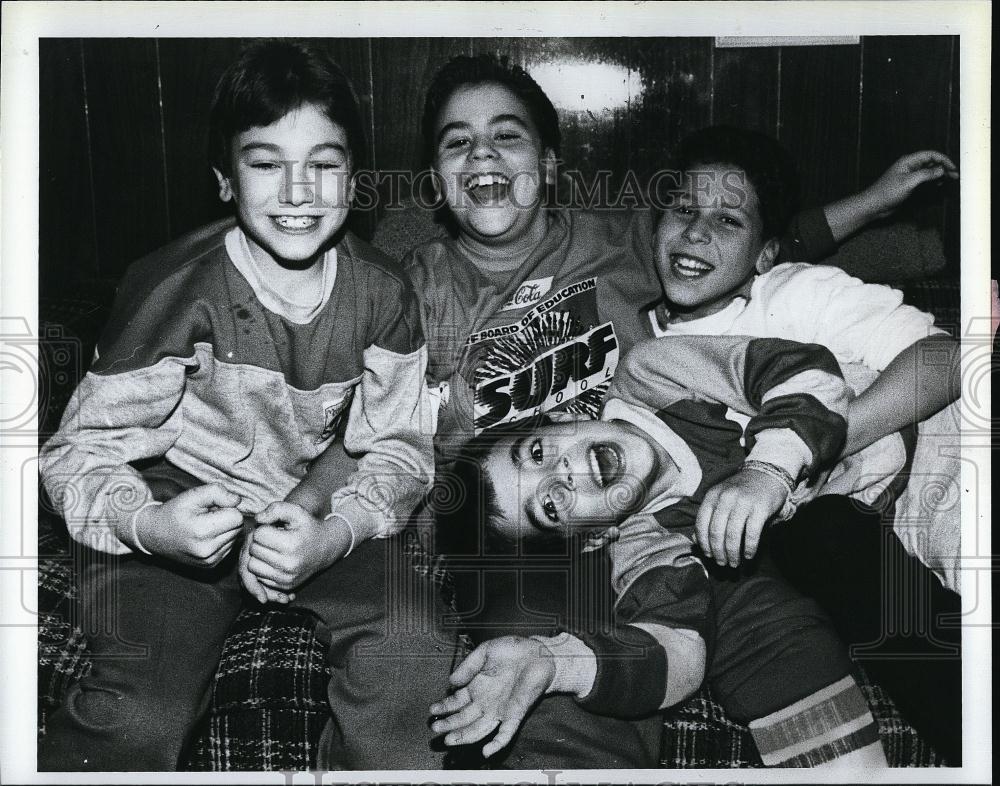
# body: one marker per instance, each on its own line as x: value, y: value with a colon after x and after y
x: 730, y: 221
x: 684, y: 210
x: 535, y: 451
x: 455, y: 143
x: 327, y: 166
x: 265, y: 166
x: 506, y: 136
x: 549, y: 509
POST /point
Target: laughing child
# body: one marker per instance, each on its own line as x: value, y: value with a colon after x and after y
x: 716, y: 252
x: 228, y: 365
x: 666, y: 471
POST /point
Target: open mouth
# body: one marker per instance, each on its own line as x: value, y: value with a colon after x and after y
x: 296, y: 223
x: 606, y: 464
x: 486, y: 188
x: 689, y: 267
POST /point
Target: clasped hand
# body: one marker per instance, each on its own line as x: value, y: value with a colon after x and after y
x: 288, y: 546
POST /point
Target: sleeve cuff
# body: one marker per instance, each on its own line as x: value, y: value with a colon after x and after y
x: 810, y: 238
x: 783, y: 448
x: 365, y: 521
x: 575, y: 662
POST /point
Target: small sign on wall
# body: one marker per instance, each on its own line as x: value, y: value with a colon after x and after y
x: 746, y: 41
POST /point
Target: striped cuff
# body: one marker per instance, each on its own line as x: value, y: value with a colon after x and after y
x: 820, y: 728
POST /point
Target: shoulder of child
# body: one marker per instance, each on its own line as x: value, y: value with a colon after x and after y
x: 186, y: 250
x: 375, y: 262
x: 798, y: 279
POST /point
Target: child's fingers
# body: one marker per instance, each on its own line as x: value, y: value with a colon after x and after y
x: 452, y: 703
x: 464, y: 717
x: 221, y: 520
x: 211, y: 495
x: 737, y: 525
x: 267, y: 543
x: 703, y: 523
x: 508, y: 728
x: 263, y: 570
x: 469, y: 667
x: 284, y: 512
x: 755, y: 527
x: 474, y: 732
x: 717, y: 531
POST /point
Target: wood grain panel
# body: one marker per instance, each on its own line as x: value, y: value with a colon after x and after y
x: 819, y: 117
x: 66, y: 228
x: 676, y: 97
x: 906, y: 107
x: 189, y: 71
x: 746, y: 89
x: 127, y: 149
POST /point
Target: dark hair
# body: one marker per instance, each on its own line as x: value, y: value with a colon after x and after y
x: 464, y: 500
x: 463, y: 71
x: 768, y: 167
x: 272, y: 78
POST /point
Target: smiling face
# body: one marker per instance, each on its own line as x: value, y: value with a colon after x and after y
x: 709, y: 244
x: 490, y: 161
x: 582, y: 473
x: 290, y: 182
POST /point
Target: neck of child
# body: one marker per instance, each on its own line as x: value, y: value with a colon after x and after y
x: 504, y: 256
x: 714, y: 306
x: 297, y: 282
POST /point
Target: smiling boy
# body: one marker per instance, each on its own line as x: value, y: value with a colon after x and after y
x: 667, y: 467
x: 230, y: 363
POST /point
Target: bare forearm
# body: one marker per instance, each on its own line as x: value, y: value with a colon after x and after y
x: 328, y: 472
x: 922, y: 380
x: 846, y: 216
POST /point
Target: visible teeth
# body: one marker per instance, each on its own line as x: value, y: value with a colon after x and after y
x: 296, y: 222
x: 488, y: 179
x: 595, y: 467
x: 690, y: 268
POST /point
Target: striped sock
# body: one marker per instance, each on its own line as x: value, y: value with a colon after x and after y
x: 821, y: 727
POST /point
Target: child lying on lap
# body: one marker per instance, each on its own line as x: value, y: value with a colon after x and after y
x: 666, y: 473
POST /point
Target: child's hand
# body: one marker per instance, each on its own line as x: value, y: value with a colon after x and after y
x: 262, y: 593
x: 735, y: 511
x: 292, y: 545
x: 197, y: 527
x: 898, y: 181
x: 497, y: 685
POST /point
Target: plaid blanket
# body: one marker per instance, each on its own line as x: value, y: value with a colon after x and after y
x: 269, y: 694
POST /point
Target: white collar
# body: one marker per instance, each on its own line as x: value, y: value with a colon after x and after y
x: 300, y: 314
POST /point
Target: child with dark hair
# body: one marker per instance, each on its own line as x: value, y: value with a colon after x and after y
x: 668, y: 472
x: 716, y: 253
x: 231, y: 361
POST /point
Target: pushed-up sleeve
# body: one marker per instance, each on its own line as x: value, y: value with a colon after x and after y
x: 126, y: 409
x: 390, y: 424
x: 794, y: 393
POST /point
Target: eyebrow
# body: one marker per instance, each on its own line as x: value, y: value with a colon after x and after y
x: 460, y: 125
x: 271, y: 148
x: 527, y: 508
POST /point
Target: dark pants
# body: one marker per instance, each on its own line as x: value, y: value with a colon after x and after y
x: 903, y: 625
x: 155, y: 632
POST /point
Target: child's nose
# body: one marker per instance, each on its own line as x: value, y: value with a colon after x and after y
x: 696, y: 231
x: 482, y: 148
x: 299, y: 187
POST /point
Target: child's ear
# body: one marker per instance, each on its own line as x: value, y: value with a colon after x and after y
x: 768, y: 255
x: 549, y: 166
x: 225, y: 187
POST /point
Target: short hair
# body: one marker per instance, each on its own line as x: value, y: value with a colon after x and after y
x: 464, y: 500
x: 272, y: 78
x: 463, y: 71
x: 767, y: 164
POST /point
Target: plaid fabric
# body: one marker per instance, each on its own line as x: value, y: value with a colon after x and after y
x: 269, y: 701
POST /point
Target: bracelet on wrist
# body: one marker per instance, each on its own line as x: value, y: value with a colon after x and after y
x: 134, y: 530
x: 350, y: 528
x: 773, y: 470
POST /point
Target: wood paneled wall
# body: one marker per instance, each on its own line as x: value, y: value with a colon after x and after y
x: 123, y: 122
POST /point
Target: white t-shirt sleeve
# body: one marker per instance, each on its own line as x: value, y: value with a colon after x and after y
x: 858, y: 322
